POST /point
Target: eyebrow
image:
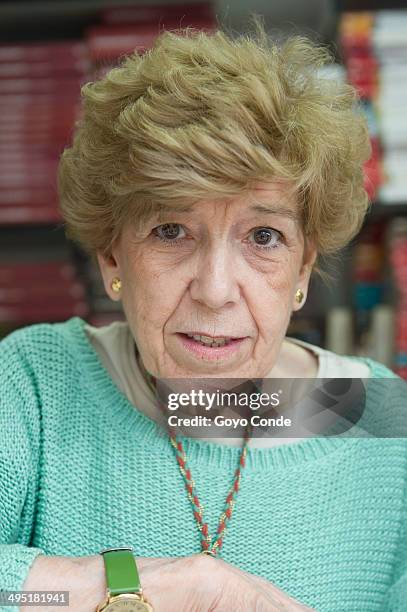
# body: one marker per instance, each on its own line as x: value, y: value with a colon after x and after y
x: 272, y: 209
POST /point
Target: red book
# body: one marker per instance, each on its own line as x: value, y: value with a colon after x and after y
x: 145, y: 14
x: 37, y: 291
x: 22, y: 179
x: 37, y: 115
x: 18, y: 273
x: 30, y: 196
x: 57, y: 52
x: 25, y: 153
x: 43, y: 312
x: 43, y: 69
x: 28, y: 214
x: 33, y: 166
x: 110, y: 42
x: 33, y: 136
x: 24, y: 297
x: 68, y: 85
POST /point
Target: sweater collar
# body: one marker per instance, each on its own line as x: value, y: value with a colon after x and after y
x: 116, y: 404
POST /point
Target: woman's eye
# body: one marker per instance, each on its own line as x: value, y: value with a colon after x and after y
x: 169, y: 232
x: 266, y: 237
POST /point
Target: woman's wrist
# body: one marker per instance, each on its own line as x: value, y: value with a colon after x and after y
x: 83, y: 578
x: 90, y: 579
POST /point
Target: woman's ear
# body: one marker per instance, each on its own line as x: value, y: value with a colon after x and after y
x: 304, y: 274
x: 109, y: 270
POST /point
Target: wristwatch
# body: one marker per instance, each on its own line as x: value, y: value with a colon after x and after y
x: 124, y: 593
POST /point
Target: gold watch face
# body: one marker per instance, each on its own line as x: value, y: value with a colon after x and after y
x: 126, y: 603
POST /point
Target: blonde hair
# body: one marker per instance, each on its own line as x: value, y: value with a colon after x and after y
x: 206, y: 115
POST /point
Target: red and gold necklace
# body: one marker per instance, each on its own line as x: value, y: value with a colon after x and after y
x: 209, y: 545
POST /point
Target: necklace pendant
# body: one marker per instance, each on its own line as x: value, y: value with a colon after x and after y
x: 208, y: 552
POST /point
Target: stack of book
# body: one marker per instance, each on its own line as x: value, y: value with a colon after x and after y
x: 375, y: 52
x: 356, y: 36
x: 124, y: 30
x: 39, y: 291
x: 39, y: 93
x: 390, y: 46
x: 398, y: 260
x: 370, y: 284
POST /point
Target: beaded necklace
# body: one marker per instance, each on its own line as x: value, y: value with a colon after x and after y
x: 209, y: 545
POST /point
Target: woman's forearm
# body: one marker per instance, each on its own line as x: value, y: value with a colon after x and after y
x: 82, y: 577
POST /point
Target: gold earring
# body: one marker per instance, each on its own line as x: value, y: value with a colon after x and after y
x: 299, y: 295
x: 116, y: 284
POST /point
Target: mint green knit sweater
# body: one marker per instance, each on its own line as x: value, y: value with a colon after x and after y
x: 325, y: 519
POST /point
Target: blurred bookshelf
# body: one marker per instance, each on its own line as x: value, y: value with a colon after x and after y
x: 48, y: 49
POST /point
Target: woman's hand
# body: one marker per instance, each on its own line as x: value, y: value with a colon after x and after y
x: 198, y: 583
x: 201, y: 583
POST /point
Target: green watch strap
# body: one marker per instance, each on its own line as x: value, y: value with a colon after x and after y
x: 121, y: 571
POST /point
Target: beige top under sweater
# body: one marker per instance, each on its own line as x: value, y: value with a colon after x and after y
x: 115, y: 347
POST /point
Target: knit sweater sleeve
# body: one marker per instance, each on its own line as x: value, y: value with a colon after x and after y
x: 397, y: 593
x: 19, y: 461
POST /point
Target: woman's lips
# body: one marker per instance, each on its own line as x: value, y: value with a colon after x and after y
x: 209, y: 352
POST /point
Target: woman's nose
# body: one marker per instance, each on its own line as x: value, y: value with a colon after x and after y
x: 215, y: 282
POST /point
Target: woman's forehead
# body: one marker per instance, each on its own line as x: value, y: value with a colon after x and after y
x: 273, y: 199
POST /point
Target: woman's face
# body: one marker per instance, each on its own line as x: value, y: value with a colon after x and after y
x: 226, y: 270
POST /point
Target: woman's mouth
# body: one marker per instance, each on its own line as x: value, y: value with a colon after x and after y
x: 209, y: 347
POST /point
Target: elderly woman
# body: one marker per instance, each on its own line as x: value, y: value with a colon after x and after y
x: 206, y: 178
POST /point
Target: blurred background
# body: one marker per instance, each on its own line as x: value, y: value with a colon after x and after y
x: 49, y: 48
